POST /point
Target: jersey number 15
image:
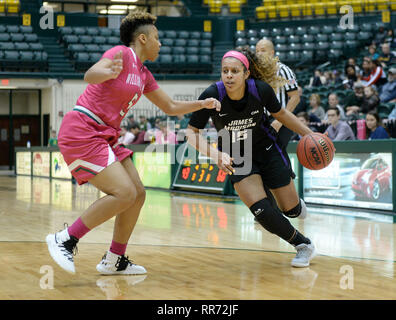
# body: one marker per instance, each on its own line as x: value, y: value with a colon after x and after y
x: 238, y: 135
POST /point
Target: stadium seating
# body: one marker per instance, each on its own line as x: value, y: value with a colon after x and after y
x: 12, y: 6
x: 314, y: 8
x: 216, y: 6
x: 85, y: 46
x: 21, y: 49
x: 314, y: 41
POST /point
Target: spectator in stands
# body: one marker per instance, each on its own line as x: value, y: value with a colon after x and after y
x: 390, y: 37
x: 350, y: 74
x: 366, y: 68
x: 157, y: 124
x: 387, y: 57
x: 334, y: 103
x: 302, y: 105
x: 328, y: 78
x: 377, y: 75
x: 388, y: 92
x: 336, y: 77
x: 338, y: 130
x: 392, y: 115
x: 165, y: 135
x: 371, y: 100
x: 380, y: 35
x: 53, y: 140
x: 139, y: 135
x: 126, y: 137
x: 374, y: 126
x: 317, y: 80
x: 182, y: 121
x: 352, y: 62
x: 372, y: 50
x: 315, y: 108
x: 144, y: 124
x: 304, y: 118
x: 131, y: 121
x: 354, y: 101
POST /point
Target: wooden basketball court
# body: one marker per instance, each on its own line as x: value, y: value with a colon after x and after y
x: 193, y: 247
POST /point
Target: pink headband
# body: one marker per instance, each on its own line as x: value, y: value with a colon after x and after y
x: 237, y: 55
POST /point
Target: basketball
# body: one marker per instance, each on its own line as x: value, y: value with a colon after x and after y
x: 315, y: 151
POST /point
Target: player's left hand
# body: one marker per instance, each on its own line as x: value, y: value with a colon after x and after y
x: 211, y: 103
x: 276, y: 125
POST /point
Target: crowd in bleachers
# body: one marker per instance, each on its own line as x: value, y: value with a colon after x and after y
x: 361, y: 89
x: 357, y: 87
x: 158, y: 130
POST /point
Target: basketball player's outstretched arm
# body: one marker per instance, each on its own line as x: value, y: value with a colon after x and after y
x: 291, y: 121
x: 172, y: 107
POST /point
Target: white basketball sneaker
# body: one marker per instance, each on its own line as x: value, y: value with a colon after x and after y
x: 305, y: 253
x: 62, y: 247
x: 115, y: 264
x: 303, y: 213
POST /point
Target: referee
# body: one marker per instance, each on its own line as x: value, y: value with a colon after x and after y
x: 288, y: 98
x: 287, y: 95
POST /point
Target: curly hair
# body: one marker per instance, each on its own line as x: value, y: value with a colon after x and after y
x: 264, y: 67
x: 131, y: 26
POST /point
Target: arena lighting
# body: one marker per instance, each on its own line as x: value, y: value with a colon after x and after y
x: 112, y: 11
x: 121, y: 7
x: 7, y: 87
x: 124, y: 0
x: 118, y: 7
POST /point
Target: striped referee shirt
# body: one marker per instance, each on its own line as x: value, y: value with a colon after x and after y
x: 285, y: 72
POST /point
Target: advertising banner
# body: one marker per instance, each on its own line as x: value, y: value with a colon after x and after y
x: 154, y: 168
x: 362, y: 180
x: 24, y: 163
x: 41, y: 163
x: 59, y: 167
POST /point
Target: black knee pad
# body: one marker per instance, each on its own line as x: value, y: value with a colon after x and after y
x: 295, y: 212
x: 271, y: 219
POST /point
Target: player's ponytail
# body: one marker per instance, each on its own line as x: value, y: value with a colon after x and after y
x: 264, y: 67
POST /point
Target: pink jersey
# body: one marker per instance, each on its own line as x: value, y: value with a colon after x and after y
x: 112, y: 99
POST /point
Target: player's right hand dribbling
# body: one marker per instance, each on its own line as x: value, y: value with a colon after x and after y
x: 116, y: 66
x: 224, y: 162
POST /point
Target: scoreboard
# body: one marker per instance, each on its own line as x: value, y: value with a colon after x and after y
x: 197, y: 172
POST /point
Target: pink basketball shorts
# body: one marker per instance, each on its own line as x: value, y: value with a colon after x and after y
x: 88, y: 145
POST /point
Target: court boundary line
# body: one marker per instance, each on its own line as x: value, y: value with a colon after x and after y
x: 220, y: 248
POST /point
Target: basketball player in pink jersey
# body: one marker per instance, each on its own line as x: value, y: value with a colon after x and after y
x: 88, y: 141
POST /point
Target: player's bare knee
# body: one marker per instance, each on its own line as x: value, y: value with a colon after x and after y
x: 140, y: 194
x: 126, y: 195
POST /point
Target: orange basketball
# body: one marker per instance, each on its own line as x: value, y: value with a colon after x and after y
x: 315, y: 151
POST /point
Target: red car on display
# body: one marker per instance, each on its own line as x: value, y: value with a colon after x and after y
x: 372, y: 179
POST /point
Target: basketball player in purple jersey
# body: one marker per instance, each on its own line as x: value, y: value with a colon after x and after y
x: 247, y: 100
x: 88, y: 142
